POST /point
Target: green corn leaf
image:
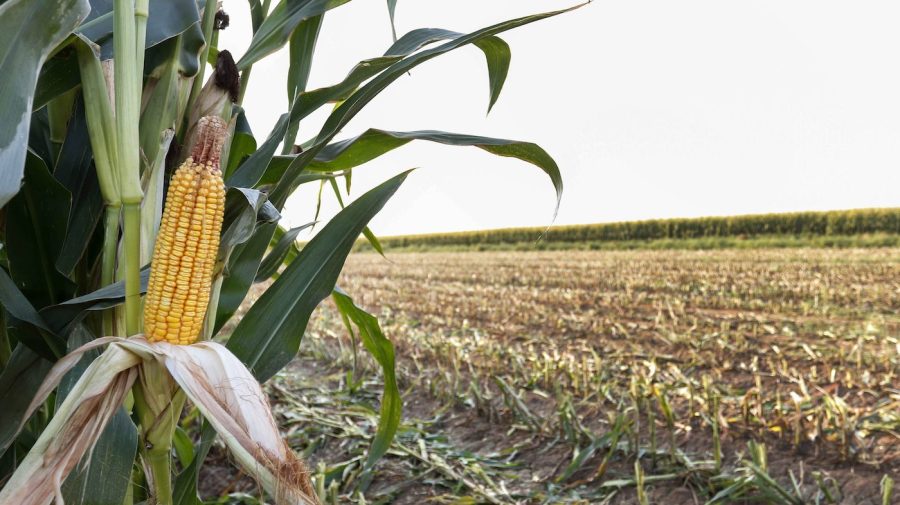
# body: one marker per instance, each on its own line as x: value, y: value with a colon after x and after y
x: 168, y: 18
x: 279, y: 165
x: 256, y: 14
x: 36, y: 229
x: 280, y: 23
x: 60, y: 316
x: 19, y: 382
x: 382, y: 350
x: 76, y: 173
x: 370, y: 236
x: 17, y: 305
x: 186, y: 56
x: 308, y: 102
x: 293, y: 251
x: 243, y: 208
x: 39, y: 142
x: 279, y: 252
x: 355, y: 151
x: 58, y: 75
x: 353, y: 104
x: 24, y: 45
x: 392, y: 9
x: 242, y: 268
x: 243, y: 143
x: 160, y: 113
x: 496, y: 52
x: 608, y: 441
x: 103, y: 476
x: 252, y: 169
x: 498, y: 55
x: 26, y: 323
x: 268, y: 336
x: 185, y: 492
x: 302, y: 48
x: 184, y: 447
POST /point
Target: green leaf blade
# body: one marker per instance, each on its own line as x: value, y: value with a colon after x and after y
x: 24, y: 45
x: 353, y: 104
x: 242, y: 269
x: 104, y: 475
x: 279, y: 252
x: 36, y: 228
x: 278, y: 26
x: 496, y: 52
x: 268, y: 336
x: 252, y: 169
x: 19, y: 382
x: 382, y: 350
x: 355, y: 151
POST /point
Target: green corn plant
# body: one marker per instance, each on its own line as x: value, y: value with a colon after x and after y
x: 887, y: 489
x: 639, y: 484
x: 712, y: 401
x: 669, y: 414
x: 118, y: 156
x: 823, y: 225
x: 768, y: 486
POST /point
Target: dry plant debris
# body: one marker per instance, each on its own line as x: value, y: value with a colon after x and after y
x: 751, y: 376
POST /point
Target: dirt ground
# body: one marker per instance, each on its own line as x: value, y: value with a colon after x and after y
x: 613, y: 377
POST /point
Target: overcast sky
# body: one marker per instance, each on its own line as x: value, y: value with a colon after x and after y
x: 652, y: 109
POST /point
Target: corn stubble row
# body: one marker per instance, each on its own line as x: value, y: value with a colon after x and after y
x: 700, y: 366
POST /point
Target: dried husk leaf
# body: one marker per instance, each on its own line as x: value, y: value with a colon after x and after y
x: 230, y: 398
x: 216, y: 97
x: 75, y: 427
x: 217, y: 382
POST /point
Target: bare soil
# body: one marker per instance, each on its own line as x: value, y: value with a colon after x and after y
x: 800, y: 349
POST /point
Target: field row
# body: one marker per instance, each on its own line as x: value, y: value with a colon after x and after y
x: 815, y: 228
x: 763, y: 376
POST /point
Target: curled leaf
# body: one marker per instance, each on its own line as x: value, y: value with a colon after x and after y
x: 214, y: 379
x: 77, y: 425
x: 229, y: 397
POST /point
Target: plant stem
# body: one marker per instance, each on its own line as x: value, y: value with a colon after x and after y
x: 132, y: 237
x: 206, y: 24
x: 160, y: 463
x: 108, y: 265
x: 245, y: 78
x: 141, y: 13
x: 158, y: 404
x: 128, y: 102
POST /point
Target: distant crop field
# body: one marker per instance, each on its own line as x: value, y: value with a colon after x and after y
x: 734, y: 376
x: 843, y: 228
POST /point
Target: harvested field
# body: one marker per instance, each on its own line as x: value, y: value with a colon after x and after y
x: 733, y: 376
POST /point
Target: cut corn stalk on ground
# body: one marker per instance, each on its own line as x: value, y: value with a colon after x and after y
x: 221, y: 387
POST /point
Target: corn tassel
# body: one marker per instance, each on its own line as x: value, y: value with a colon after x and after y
x: 188, y: 242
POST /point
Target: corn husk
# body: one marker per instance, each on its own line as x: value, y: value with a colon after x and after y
x: 75, y: 428
x: 221, y: 387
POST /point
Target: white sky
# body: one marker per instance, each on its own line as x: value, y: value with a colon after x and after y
x: 651, y: 109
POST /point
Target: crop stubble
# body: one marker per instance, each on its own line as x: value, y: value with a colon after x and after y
x: 532, y: 358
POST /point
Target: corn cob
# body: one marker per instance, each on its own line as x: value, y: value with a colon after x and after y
x: 185, y: 251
